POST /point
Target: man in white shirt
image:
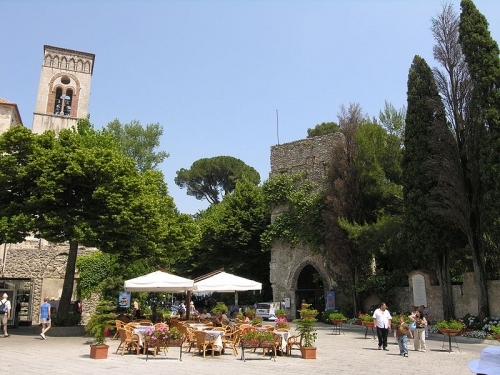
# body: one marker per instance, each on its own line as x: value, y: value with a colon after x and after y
x: 205, y: 315
x: 382, y: 319
x: 5, y: 307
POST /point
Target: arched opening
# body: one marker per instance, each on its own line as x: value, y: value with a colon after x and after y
x: 310, y: 288
x: 58, y: 101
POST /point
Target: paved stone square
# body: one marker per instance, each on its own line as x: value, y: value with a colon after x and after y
x: 349, y: 353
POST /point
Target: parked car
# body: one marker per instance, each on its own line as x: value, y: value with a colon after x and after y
x: 266, y: 310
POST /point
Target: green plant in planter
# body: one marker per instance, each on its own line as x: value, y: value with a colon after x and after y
x: 280, y: 312
x: 365, y: 318
x: 495, y: 329
x: 101, y: 319
x: 306, y: 327
x: 337, y: 316
x: 250, y: 312
x: 256, y: 321
x: 450, y: 324
x: 220, y: 308
x: 252, y: 334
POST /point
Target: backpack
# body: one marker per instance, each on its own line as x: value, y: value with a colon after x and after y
x: 3, y: 307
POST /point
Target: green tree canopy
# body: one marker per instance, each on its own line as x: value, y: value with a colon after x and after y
x: 83, y: 190
x: 230, y: 235
x: 323, y: 129
x: 138, y: 142
x: 213, y: 178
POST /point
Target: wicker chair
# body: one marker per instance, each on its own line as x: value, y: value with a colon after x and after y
x: 204, y: 342
x: 293, y: 342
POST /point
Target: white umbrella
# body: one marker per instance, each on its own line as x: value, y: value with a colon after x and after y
x: 159, y: 281
x: 225, y: 282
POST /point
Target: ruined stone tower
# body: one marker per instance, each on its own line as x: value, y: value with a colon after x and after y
x: 64, y: 89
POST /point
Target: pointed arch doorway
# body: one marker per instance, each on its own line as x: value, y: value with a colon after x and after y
x: 310, y: 287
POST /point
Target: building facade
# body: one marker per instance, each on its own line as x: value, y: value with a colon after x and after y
x: 34, y: 269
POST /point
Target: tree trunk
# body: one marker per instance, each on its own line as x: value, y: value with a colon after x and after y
x: 483, y: 307
x: 443, y: 273
x: 69, y: 280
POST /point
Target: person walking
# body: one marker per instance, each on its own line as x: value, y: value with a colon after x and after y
x: 45, y: 317
x: 419, y: 336
x: 401, y: 328
x: 382, y: 319
x: 5, y: 310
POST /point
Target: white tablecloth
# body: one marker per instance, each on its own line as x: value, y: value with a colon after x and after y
x: 218, y: 338
x: 284, y: 338
x: 140, y: 330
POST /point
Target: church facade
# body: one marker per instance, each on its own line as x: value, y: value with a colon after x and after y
x: 34, y: 269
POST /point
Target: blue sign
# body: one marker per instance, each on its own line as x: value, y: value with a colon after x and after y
x: 124, y: 299
x: 330, y: 300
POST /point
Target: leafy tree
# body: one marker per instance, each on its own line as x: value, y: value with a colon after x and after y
x: 138, y: 142
x: 213, y: 178
x: 85, y: 191
x: 322, y: 129
x: 428, y: 238
x: 363, y: 200
x: 230, y: 235
x: 482, y: 57
x: 393, y: 120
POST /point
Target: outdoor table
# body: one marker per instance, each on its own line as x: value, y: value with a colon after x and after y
x: 284, y: 338
x: 218, y: 339
x: 140, y: 330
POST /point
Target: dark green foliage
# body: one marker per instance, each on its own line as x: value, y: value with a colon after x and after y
x: 65, y: 320
x: 215, y: 177
x: 230, y: 236
x: 302, y: 220
x: 323, y: 129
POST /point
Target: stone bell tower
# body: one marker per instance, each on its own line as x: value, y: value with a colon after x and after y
x: 64, y: 89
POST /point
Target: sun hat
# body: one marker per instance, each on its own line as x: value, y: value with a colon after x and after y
x: 488, y: 363
x: 191, y: 303
x: 5, y: 295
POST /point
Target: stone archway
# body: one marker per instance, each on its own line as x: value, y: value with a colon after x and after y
x: 309, y: 284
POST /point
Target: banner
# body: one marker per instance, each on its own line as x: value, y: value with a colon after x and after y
x: 124, y: 299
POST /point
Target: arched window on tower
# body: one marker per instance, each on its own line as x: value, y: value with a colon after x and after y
x: 58, y: 101
x: 67, y: 102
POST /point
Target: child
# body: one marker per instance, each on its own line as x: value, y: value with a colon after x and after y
x: 402, y: 330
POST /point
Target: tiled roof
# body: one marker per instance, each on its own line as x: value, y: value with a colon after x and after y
x: 4, y: 101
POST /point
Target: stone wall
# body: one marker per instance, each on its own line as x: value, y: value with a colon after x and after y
x: 464, y: 297
x: 44, y: 264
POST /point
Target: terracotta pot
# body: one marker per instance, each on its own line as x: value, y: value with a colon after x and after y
x: 99, y: 351
x: 337, y: 321
x: 449, y: 332
x: 250, y: 343
x: 367, y: 324
x: 496, y: 335
x: 308, y: 352
x: 281, y: 315
x: 175, y: 342
x: 309, y: 316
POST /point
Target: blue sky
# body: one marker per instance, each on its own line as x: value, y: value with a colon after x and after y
x: 213, y: 73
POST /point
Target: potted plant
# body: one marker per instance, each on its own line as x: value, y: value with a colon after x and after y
x: 280, y: 313
x: 366, y: 320
x: 250, y: 313
x: 495, y: 330
x: 256, y: 321
x: 450, y: 327
x: 337, y: 317
x: 306, y: 327
x: 251, y: 337
x: 307, y: 312
x: 282, y: 323
x: 103, y: 318
x: 220, y: 308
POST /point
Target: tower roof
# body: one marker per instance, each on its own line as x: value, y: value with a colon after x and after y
x: 66, y: 51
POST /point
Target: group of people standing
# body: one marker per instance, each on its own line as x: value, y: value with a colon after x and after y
x: 417, y: 329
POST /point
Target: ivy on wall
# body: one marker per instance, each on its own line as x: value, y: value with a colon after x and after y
x: 93, y: 269
x: 301, y: 218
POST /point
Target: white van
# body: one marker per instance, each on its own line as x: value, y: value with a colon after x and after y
x: 266, y: 310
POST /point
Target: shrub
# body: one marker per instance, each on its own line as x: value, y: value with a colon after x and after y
x: 65, y: 320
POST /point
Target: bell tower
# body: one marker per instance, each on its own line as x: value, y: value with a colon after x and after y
x: 64, y: 89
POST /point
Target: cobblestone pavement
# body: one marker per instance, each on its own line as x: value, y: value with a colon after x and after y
x: 349, y: 353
